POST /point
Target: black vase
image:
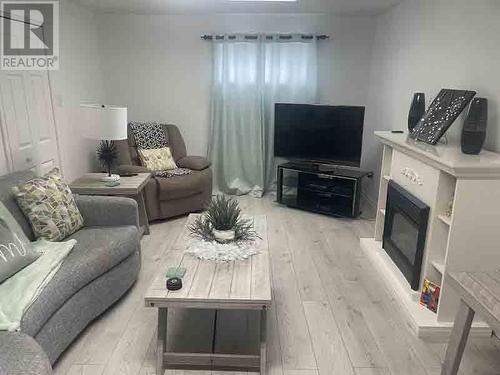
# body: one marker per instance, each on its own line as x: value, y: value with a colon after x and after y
x: 474, y: 129
x: 417, y: 110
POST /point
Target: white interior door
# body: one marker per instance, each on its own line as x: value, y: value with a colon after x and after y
x: 28, y: 124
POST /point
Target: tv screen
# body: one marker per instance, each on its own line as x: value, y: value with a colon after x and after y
x: 332, y: 134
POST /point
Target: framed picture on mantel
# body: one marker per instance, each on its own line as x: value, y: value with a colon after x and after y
x: 442, y: 112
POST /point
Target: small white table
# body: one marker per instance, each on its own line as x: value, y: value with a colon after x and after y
x: 241, y: 285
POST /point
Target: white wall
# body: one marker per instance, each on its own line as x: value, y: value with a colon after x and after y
x: 160, y: 69
x: 79, y: 79
x: 426, y: 45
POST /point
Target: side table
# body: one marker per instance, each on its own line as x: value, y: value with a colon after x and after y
x: 132, y: 187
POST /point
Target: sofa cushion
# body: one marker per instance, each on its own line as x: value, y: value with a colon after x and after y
x: 49, y: 205
x: 16, y: 252
x: 175, y: 141
x: 180, y: 186
x: 98, y: 249
x: 7, y: 182
x: 123, y: 152
x: 21, y: 355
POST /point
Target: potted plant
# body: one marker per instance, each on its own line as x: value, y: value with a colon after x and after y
x: 222, y: 222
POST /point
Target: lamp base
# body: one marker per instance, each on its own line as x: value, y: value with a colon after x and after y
x: 112, y: 178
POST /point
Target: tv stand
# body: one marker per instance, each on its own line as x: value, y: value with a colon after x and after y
x: 320, y: 167
x: 324, y: 188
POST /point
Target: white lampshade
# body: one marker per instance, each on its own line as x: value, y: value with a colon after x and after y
x: 104, y: 122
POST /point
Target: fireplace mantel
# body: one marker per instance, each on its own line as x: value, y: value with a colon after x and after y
x: 446, y: 157
x: 467, y: 240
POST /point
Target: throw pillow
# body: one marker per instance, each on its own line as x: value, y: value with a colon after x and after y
x: 16, y: 252
x: 49, y: 205
x: 12, y: 223
x: 149, y: 135
x: 158, y: 159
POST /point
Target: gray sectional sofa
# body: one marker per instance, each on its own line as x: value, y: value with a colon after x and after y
x: 102, y: 266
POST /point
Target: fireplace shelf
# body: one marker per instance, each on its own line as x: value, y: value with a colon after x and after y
x: 438, y: 266
x: 445, y: 219
x: 440, y: 176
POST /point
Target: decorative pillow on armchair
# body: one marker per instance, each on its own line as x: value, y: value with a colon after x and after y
x: 48, y: 204
x: 149, y: 135
x: 16, y: 251
x: 157, y: 159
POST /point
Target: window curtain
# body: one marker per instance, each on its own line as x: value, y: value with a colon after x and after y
x: 249, y: 76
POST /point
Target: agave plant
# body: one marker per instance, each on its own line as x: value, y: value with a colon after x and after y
x: 223, y: 214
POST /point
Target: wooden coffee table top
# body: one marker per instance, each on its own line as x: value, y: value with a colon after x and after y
x: 242, y: 284
x: 481, y: 292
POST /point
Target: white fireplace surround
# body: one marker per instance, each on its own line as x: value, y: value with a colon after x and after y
x: 468, y: 240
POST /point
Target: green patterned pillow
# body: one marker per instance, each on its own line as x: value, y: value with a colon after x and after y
x: 49, y: 205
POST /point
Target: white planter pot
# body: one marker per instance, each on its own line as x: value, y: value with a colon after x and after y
x: 223, y: 236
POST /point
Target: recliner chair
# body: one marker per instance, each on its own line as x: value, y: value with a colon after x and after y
x: 174, y: 196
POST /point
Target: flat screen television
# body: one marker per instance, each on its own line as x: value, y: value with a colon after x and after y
x: 321, y: 133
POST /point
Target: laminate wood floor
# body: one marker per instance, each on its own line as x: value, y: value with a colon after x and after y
x: 331, y: 312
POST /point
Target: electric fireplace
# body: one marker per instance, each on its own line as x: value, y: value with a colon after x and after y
x: 405, y: 229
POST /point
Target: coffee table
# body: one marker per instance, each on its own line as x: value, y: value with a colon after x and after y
x: 237, y: 285
x: 479, y: 292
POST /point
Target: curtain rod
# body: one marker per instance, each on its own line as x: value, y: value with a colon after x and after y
x: 254, y: 37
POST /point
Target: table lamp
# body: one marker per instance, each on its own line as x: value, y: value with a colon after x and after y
x: 107, y: 123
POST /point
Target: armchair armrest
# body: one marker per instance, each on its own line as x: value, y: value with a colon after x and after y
x: 132, y: 169
x: 196, y: 163
x: 101, y: 211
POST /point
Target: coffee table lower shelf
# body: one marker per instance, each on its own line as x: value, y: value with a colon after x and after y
x: 209, y: 361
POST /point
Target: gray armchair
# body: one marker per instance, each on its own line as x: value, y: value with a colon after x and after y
x: 169, y: 197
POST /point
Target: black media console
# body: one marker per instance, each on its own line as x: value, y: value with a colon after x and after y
x: 322, y: 188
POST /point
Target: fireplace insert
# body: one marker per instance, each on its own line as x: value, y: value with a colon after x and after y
x: 405, y: 229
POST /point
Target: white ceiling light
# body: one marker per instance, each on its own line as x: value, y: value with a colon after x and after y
x: 340, y: 7
x: 265, y: 1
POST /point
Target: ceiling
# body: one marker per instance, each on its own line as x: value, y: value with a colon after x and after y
x: 350, y: 7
